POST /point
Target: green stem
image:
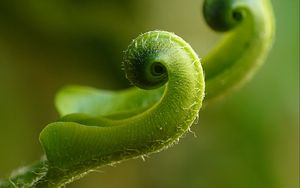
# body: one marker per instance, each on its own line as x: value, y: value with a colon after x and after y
x: 26, y: 176
x: 151, y: 60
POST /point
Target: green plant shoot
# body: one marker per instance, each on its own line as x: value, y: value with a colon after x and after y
x: 100, y: 127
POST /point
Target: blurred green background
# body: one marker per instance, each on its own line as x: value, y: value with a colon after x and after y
x: 250, y: 139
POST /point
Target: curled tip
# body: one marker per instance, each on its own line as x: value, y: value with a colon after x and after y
x: 222, y: 15
x: 142, y: 66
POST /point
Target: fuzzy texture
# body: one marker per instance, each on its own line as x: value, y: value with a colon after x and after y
x: 100, y: 141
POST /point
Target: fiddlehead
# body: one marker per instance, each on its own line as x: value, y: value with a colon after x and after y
x: 150, y: 61
x: 78, y: 143
x: 249, y: 28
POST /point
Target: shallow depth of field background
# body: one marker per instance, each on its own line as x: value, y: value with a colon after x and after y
x: 250, y: 139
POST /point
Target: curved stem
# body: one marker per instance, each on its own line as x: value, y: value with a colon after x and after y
x: 151, y: 60
x: 103, y: 141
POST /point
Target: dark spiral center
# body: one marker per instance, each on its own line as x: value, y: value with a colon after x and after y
x: 237, y: 15
x: 157, y: 69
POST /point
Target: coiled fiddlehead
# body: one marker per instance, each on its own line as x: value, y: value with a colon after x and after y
x: 151, y: 60
x: 78, y: 143
x: 249, y: 28
x: 107, y: 127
